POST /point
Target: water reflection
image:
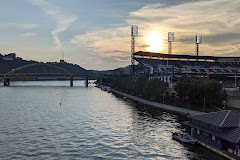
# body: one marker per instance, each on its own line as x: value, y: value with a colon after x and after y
x: 88, y: 124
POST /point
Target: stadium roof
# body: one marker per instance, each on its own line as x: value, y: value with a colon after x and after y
x: 152, y: 54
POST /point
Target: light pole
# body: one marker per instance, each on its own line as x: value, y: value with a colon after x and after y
x: 236, y: 79
x: 198, y: 41
x: 224, y: 104
x: 204, y: 101
x: 163, y: 97
x: 187, y: 98
x: 134, y: 33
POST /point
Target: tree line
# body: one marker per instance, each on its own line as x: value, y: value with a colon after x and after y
x: 197, y: 90
x: 142, y: 87
x: 192, y: 90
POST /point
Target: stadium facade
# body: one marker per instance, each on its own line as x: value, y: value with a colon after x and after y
x: 169, y: 67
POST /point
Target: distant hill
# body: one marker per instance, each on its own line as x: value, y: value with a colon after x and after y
x: 10, y: 61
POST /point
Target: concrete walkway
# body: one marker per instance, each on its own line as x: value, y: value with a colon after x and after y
x: 168, y: 108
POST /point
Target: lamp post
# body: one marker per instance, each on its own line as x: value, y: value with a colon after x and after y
x: 163, y: 97
x: 224, y: 104
x: 236, y: 79
x: 187, y: 98
x: 204, y: 102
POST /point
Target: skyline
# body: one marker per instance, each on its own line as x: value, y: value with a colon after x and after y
x: 97, y: 35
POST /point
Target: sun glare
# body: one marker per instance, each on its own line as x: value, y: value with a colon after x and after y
x: 155, y: 41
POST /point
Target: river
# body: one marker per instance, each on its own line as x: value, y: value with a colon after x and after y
x: 50, y: 120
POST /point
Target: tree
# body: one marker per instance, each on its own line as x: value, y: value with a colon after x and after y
x: 196, y: 89
x: 149, y: 89
x: 155, y: 88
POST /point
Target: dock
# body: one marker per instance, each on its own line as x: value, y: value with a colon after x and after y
x: 216, y: 150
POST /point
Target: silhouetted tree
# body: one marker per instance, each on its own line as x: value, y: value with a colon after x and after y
x: 196, y: 89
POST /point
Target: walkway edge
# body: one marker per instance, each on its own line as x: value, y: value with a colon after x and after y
x: 168, y: 108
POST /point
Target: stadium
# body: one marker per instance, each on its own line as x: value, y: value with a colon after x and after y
x: 170, y: 67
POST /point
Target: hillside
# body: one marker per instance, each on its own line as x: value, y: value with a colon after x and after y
x: 10, y: 61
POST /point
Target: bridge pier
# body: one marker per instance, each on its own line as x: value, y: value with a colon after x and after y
x: 86, y: 81
x: 71, y: 82
x: 6, y: 82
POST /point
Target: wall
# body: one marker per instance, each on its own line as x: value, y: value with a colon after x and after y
x: 207, y: 139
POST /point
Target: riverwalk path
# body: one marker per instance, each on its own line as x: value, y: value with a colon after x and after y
x: 168, y: 108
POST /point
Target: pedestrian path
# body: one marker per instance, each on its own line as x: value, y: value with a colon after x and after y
x: 168, y: 108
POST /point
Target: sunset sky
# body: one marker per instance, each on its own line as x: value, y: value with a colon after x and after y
x: 95, y: 34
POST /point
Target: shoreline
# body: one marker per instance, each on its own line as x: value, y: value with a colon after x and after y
x: 165, y: 107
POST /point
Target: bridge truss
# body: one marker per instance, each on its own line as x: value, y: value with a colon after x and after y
x: 42, y: 70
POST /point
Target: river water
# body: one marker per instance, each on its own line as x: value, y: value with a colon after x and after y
x: 50, y: 120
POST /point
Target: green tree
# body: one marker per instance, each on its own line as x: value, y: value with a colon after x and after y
x: 196, y: 89
x: 142, y: 87
x: 154, y: 89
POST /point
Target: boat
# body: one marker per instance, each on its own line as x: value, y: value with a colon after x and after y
x: 109, y: 90
x: 183, y: 137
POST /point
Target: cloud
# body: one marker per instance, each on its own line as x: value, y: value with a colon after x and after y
x: 63, y: 21
x: 20, y: 26
x: 106, y: 43
x: 30, y: 26
x: 29, y: 34
x: 217, y: 20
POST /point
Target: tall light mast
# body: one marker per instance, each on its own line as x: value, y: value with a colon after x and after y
x: 170, y: 40
x: 198, y: 41
x: 134, y: 33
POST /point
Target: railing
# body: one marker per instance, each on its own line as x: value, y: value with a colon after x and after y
x: 35, y: 75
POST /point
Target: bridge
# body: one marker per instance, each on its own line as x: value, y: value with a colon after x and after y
x: 42, y: 70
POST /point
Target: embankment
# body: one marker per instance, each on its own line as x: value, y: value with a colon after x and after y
x: 168, y: 108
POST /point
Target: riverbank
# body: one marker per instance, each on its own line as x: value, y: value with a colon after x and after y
x: 168, y: 108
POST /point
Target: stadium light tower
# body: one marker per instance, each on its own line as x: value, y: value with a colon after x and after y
x: 170, y: 40
x: 134, y: 33
x: 198, y: 41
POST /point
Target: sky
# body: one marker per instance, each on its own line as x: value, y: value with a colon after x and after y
x: 96, y: 34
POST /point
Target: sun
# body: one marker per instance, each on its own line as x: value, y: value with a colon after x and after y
x: 155, y: 41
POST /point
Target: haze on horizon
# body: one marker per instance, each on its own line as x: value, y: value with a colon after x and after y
x: 96, y: 34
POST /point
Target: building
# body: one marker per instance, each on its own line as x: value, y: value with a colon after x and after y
x: 221, y: 130
x: 10, y: 57
x: 169, y: 67
x: 62, y: 61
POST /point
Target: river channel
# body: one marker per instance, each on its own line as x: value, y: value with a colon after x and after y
x: 50, y: 120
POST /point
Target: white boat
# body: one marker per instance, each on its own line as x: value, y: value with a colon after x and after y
x: 109, y: 90
x: 183, y: 137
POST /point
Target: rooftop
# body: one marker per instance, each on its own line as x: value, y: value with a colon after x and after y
x: 151, y: 54
x: 227, y: 120
x: 222, y: 119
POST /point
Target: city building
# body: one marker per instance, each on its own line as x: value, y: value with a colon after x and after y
x: 170, y: 67
x: 220, y: 130
x: 62, y: 61
x: 10, y: 56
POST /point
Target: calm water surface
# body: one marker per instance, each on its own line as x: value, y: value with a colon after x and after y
x: 50, y: 120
